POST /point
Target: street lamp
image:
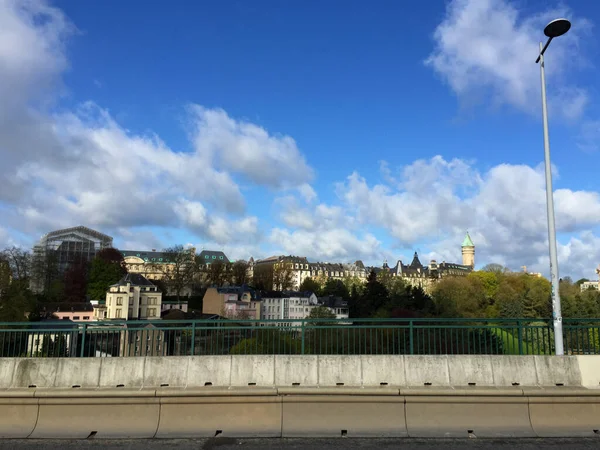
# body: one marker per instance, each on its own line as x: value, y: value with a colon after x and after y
x: 554, y: 29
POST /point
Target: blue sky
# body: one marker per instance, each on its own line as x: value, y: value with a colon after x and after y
x: 333, y: 130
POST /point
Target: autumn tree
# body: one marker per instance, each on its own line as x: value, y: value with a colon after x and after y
x: 106, y: 269
x: 217, y: 273
x: 283, y: 277
x: 178, y: 269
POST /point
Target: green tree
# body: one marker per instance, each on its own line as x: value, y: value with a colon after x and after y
x: 106, y: 269
x: 458, y: 297
x: 309, y: 284
x: 321, y: 312
x: 337, y: 288
x: 373, y: 297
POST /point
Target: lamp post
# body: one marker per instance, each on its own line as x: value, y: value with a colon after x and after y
x: 554, y: 29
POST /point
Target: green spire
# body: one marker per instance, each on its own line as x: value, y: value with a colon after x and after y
x: 467, y: 242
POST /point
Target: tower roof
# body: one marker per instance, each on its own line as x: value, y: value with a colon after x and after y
x: 467, y: 242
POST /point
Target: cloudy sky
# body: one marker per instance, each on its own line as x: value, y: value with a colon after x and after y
x: 336, y: 130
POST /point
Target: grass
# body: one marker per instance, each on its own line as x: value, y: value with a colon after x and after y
x: 510, y: 343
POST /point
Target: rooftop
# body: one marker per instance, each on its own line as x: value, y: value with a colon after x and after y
x: 135, y: 279
x: 467, y: 242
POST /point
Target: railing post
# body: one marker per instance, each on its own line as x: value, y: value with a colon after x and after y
x: 411, y: 338
x: 83, y: 333
x: 302, y: 331
x: 193, y: 346
x: 520, y: 336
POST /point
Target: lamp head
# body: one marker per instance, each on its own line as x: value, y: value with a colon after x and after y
x: 557, y: 27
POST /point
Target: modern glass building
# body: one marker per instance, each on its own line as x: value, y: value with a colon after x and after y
x: 57, y: 250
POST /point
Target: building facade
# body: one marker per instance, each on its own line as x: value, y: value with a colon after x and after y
x: 133, y: 297
x: 241, y: 302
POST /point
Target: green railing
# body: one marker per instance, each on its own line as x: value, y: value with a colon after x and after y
x: 297, y: 337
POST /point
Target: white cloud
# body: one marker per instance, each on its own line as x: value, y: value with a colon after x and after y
x: 219, y: 229
x: 504, y: 209
x: 487, y: 48
x: 248, y: 149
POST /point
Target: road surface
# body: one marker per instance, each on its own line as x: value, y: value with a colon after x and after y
x: 303, y: 444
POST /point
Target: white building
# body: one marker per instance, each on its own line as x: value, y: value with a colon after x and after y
x: 133, y: 297
x: 291, y: 305
x: 589, y: 285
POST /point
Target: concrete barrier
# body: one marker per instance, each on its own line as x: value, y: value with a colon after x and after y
x: 79, y: 414
x: 470, y: 370
x: 557, y: 370
x: 249, y: 370
x: 208, y: 412
x: 7, y: 369
x: 466, y: 413
x: 383, y: 370
x: 331, y: 412
x: 122, y: 372
x: 19, y: 413
x: 81, y: 372
x: 162, y: 371
x: 35, y: 372
x: 589, y: 369
x: 209, y: 371
x: 564, y: 412
x: 291, y: 370
x: 513, y: 370
x: 339, y: 370
x: 299, y: 370
x: 426, y: 370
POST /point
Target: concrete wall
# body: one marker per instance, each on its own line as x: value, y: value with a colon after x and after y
x: 281, y: 370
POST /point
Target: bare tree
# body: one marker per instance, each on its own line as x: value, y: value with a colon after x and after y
x: 239, y: 272
x: 178, y: 270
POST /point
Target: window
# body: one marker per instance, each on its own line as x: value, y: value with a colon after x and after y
x: 214, y: 257
x: 130, y: 313
x: 206, y: 256
x: 220, y: 257
x: 137, y: 349
x: 119, y: 301
x: 147, y: 349
x: 75, y: 317
x: 130, y: 301
x: 118, y: 313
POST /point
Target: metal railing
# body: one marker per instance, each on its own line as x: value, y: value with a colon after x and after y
x: 297, y: 337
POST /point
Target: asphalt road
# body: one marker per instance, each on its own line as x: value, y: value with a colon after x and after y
x: 304, y: 444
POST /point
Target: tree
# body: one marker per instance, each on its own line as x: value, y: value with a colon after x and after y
x: 321, y: 312
x: 75, y: 281
x: 337, y: 288
x: 310, y: 285
x: 239, y: 273
x: 283, y: 277
x: 216, y: 273
x: 498, y: 269
x: 373, y: 297
x: 16, y: 299
x: 458, y: 297
x: 106, y: 269
x: 180, y: 270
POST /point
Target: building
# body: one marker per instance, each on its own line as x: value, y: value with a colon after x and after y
x: 284, y: 305
x: 58, y: 250
x: 208, y: 257
x: 293, y: 306
x: 153, y: 265
x: 61, y: 341
x: 181, y: 305
x: 76, y: 312
x: 239, y: 302
x: 301, y: 269
x: 133, y: 297
x: 142, y: 339
x: 418, y: 275
x: 594, y: 285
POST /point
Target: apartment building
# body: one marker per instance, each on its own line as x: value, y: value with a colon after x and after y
x: 240, y: 302
x: 133, y: 297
